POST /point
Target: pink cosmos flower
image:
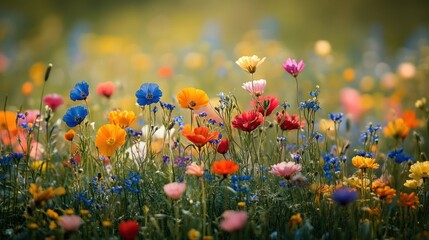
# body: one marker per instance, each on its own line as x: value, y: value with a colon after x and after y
x: 256, y: 87
x: 70, y: 223
x: 195, y: 170
x: 105, y: 89
x: 351, y: 101
x: 233, y: 220
x: 175, y: 190
x: 285, y: 169
x: 292, y: 67
x: 53, y: 100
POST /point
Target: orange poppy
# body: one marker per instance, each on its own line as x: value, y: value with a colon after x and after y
x: 8, y: 121
x: 200, y: 135
x: 27, y: 88
x: 410, y: 119
x: 122, y: 118
x: 69, y: 135
x: 192, y: 98
x: 408, y: 200
x: 225, y: 167
x: 109, y: 138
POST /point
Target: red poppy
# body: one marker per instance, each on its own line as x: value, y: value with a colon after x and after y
x: 225, y: 167
x: 248, y: 121
x: 288, y: 122
x: 200, y: 135
x: 265, y: 104
x: 106, y: 89
x: 128, y: 230
x: 223, y: 146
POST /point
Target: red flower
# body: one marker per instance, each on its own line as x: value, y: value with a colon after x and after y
x: 225, y: 167
x: 248, y: 121
x: 288, y: 122
x: 223, y: 146
x: 129, y: 230
x: 265, y: 104
x: 53, y: 101
x: 106, y: 89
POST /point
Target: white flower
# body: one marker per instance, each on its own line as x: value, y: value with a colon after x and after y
x: 157, y: 132
x: 137, y: 152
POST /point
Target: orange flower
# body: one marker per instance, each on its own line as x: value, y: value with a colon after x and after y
x: 109, y: 138
x: 295, y: 220
x: 396, y: 129
x: 27, y: 88
x: 408, y: 200
x: 122, y: 119
x: 195, y: 170
x: 69, y: 135
x: 364, y: 162
x: 8, y: 121
x: 41, y: 196
x: 385, y: 193
x: 410, y: 119
x: 225, y: 167
x: 192, y: 98
x: 200, y: 135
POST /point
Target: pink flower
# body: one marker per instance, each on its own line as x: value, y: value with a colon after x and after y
x: 105, y: 89
x: 175, y: 190
x: 195, y: 170
x: 70, y: 223
x: 285, y: 169
x: 233, y: 220
x: 288, y: 122
x: 53, y: 100
x: 292, y: 67
x: 351, y: 101
x: 256, y: 87
x: 265, y: 104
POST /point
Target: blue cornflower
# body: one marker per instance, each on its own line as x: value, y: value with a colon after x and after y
x: 238, y: 183
x: 6, y: 160
x: 82, y: 198
x: 399, y: 156
x: 179, y: 121
x: 310, y: 104
x: 167, y: 106
x: 75, y: 115
x: 332, y: 163
x: 336, y: 117
x: 132, y: 182
x: 80, y: 91
x: 203, y: 114
x: 344, y: 196
x: 212, y: 121
x: 117, y: 190
x: 148, y: 93
x: 364, y: 154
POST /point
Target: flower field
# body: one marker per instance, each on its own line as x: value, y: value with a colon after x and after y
x: 257, y: 166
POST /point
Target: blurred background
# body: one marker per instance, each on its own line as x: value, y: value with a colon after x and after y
x: 370, y: 58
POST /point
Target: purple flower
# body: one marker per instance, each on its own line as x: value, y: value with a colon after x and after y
x: 345, y: 196
x: 292, y: 67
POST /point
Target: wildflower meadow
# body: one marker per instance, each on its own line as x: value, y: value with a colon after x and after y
x: 257, y: 166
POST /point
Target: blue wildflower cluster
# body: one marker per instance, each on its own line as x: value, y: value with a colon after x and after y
x: 332, y: 164
x: 8, y: 159
x: 167, y: 106
x: 240, y: 183
x: 399, y: 156
x: 132, y: 182
x: 82, y: 197
x: 336, y: 117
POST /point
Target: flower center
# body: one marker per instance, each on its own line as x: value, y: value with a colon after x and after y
x: 78, y: 119
x: 192, y: 104
x: 110, y: 141
x: 149, y: 96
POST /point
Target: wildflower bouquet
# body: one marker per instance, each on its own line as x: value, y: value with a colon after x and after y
x: 265, y: 169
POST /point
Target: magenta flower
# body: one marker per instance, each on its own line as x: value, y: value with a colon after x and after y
x: 285, y: 169
x: 175, y: 190
x: 292, y: 67
x: 256, y: 87
x: 233, y: 220
x: 70, y: 223
x: 53, y: 101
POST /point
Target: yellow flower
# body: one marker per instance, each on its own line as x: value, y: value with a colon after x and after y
x: 364, y: 162
x: 52, y: 214
x: 39, y: 165
x: 107, y: 224
x: 52, y: 225
x: 250, y: 63
x: 295, y: 220
x: 208, y: 237
x: 122, y: 119
x: 413, y: 184
x: 109, y: 138
x: 192, y: 98
x: 32, y: 226
x: 59, y: 191
x: 194, y: 234
x: 39, y: 195
x: 69, y: 211
x: 84, y: 212
x: 396, y: 129
x: 327, y: 126
x: 357, y: 182
x: 419, y: 170
x: 241, y: 204
x: 373, y: 211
